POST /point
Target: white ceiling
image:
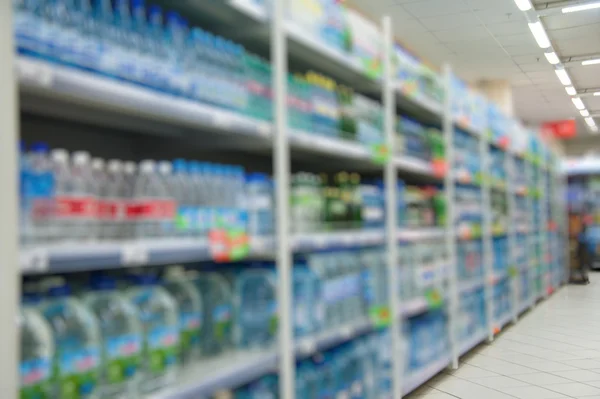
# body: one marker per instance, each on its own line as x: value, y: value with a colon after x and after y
x: 490, y: 39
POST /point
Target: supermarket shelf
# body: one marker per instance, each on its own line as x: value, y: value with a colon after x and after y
x: 497, y: 277
x: 350, y: 238
x: 419, y: 377
x: 415, y: 166
x: 249, y: 8
x: 413, y: 307
x: 425, y: 109
x: 72, y: 257
x: 523, y: 307
x: 329, y: 339
x: 210, y: 376
x: 471, y: 285
x: 472, y: 342
x: 419, y: 234
x: 468, y: 128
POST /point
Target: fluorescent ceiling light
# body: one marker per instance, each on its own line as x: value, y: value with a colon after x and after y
x: 594, y: 129
x: 552, y: 58
x: 590, y: 122
x: 597, y: 93
x: 591, y: 62
x: 585, y: 113
x: 578, y: 103
x: 524, y: 5
x: 539, y: 34
x: 582, y: 7
x: 563, y: 76
x: 571, y: 90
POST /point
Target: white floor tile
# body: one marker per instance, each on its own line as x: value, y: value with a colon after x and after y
x: 498, y: 382
x: 578, y: 375
x: 532, y: 392
x: 468, y: 372
x: 585, y: 364
x: 575, y: 389
x: 549, y: 366
x: 541, y: 379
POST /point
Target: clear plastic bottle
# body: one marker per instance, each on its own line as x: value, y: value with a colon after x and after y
x: 189, y: 303
x: 82, y: 201
x: 149, y: 191
x: 259, y: 197
x: 121, y: 333
x: 37, y: 354
x: 128, y: 225
x: 168, y: 204
x: 183, y: 190
x: 76, y: 340
x: 217, y: 299
x: 256, y: 308
x: 98, y: 167
x: 111, y: 208
x: 158, y: 314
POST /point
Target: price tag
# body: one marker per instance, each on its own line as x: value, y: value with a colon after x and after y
x: 134, y: 255
x: 36, y: 72
x: 34, y: 260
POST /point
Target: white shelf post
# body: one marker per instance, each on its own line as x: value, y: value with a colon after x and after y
x: 281, y: 166
x: 451, y: 233
x: 486, y: 235
x: 511, y: 231
x: 391, y: 221
x: 530, y: 233
x: 10, y: 280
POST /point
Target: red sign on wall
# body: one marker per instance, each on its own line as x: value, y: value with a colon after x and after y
x: 566, y: 129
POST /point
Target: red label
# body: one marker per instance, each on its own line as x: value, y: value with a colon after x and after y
x: 560, y: 129
x: 111, y: 209
x: 75, y: 207
x: 439, y: 168
x: 151, y: 209
x: 503, y: 142
x: 42, y: 209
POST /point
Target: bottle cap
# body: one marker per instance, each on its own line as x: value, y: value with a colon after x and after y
x: 115, y: 166
x: 102, y: 282
x: 56, y: 287
x: 39, y: 147
x: 81, y: 158
x: 129, y: 167
x: 165, y: 168
x: 60, y: 155
x: 180, y: 165
x: 98, y: 164
x: 147, y: 166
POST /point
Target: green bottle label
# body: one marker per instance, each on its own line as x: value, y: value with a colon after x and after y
x: 77, y: 372
x: 35, y: 378
x: 161, y: 348
x: 122, y: 357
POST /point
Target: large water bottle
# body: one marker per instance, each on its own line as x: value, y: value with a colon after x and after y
x: 217, y: 299
x: 37, y: 354
x: 189, y: 302
x: 76, y: 340
x: 168, y: 204
x: 158, y: 52
x: 256, y: 308
x: 158, y: 313
x: 183, y: 190
x: 176, y: 34
x: 121, y: 333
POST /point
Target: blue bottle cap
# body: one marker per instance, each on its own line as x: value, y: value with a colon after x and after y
x: 256, y: 177
x: 173, y: 18
x: 143, y: 279
x: 102, y: 282
x: 59, y: 291
x: 138, y: 3
x: 194, y: 167
x: 180, y: 165
x: 39, y: 147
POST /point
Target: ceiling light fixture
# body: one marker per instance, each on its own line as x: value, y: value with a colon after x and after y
x: 578, y: 103
x: 591, y: 62
x: 582, y: 7
x: 552, y: 58
x: 585, y: 113
x: 597, y: 93
x: 563, y: 76
x: 537, y: 29
x: 590, y: 122
x: 524, y: 5
x: 594, y: 129
x: 571, y: 90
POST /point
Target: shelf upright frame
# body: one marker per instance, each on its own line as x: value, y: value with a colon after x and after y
x: 10, y: 282
x: 547, y: 277
x: 391, y: 220
x: 451, y: 231
x: 509, y: 163
x: 486, y: 236
x: 530, y: 232
x: 281, y: 168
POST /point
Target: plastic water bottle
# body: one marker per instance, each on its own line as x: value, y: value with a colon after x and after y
x: 128, y: 195
x: 76, y: 340
x: 61, y: 224
x: 111, y: 208
x: 37, y: 354
x: 158, y: 313
x: 100, y: 180
x: 121, y: 333
x: 217, y: 299
x: 82, y: 201
x: 260, y: 204
x: 256, y: 308
x: 183, y: 190
x: 189, y: 303
x: 38, y: 192
x: 167, y: 204
x: 149, y: 190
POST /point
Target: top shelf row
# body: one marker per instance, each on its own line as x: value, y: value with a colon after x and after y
x: 220, y: 84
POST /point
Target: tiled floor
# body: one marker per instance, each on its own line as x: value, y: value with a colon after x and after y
x: 552, y: 352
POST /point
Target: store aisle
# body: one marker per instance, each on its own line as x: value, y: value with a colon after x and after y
x: 551, y: 353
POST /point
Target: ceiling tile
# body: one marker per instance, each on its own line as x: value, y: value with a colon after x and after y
x: 499, y: 15
x: 473, y: 33
x: 575, y: 47
x: 542, y: 65
x: 541, y: 75
x: 508, y: 28
x: 408, y: 29
x: 433, y: 8
x: 523, y: 50
x: 517, y: 40
x: 451, y: 21
x: 584, y: 32
x: 527, y: 59
x: 585, y: 78
x: 506, y: 6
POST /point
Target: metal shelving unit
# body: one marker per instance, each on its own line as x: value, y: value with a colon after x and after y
x: 73, y: 95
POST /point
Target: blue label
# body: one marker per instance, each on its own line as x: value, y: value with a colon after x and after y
x: 78, y: 361
x: 222, y: 313
x: 33, y: 371
x: 163, y: 337
x: 190, y: 320
x: 123, y: 346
